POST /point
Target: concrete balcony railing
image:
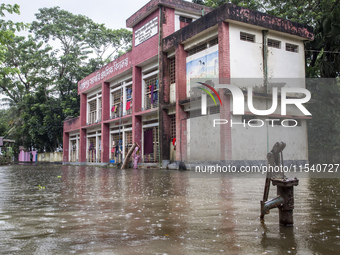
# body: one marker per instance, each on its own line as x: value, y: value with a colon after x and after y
x: 72, y: 124
x: 150, y: 103
x: 92, y: 117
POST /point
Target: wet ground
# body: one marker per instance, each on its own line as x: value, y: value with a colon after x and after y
x: 54, y: 209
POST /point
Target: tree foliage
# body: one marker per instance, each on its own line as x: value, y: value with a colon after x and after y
x: 324, y: 128
x: 253, y: 4
x: 41, y: 86
x: 8, y: 27
x: 322, y: 58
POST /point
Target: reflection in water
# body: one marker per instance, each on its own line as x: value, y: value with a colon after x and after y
x: 324, y: 228
x: 282, y: 242
x: 109, y: 211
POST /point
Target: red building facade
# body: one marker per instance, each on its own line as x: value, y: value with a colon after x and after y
x: 142, y: 96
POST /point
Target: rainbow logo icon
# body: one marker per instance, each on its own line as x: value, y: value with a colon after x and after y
x: 204, y: 97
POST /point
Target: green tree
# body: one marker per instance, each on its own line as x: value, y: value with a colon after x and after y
x: 253, y: 4
x: 302, y: 11
x: 78, y: 37
x: 32, y: 62
x: 322, y: 59
x: 7, y: 29
x: 324, y: 128
x: 42, y: 118
x: 43, y: 91
x: 107, y: 43
x: 4, y: 127
x: 323, y: 54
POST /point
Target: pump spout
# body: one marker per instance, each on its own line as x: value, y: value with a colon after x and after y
x: 270, y: 204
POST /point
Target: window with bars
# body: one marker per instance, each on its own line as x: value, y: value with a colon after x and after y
x: 117, y: 102
x: 198, y: 112
x: 213, y: 42
x: 151, y: 92
x: 173, y: 126
x: 91, y: 150
x: 203, y: 46
x: 94, y: 109
x: 184, y: 21
x: 274, y: 43
x: 291, y: 47
x: 99, y: 152
x: 128, y: 106
x: 195, y: 113
x: 214, y: 109
x: 116, y: 147
x: 152, y: 157
x: 247, y: 37
x: 100, y: 109
x: 172, y: 70
x: 92, y: 112
x: 128, y: 143
x: 73, y: 151
x: 197, y: 49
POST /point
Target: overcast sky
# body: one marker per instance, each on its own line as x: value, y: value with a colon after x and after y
x: 113, y: 13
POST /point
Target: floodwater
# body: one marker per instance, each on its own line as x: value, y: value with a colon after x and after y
x: 54, y: 209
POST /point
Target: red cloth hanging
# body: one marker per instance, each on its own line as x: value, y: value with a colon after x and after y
x: 128, y: 105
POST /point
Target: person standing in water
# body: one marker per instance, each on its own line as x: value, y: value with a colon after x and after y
x: 136, y: 156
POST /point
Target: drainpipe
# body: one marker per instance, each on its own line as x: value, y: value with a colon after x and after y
x: 265, y: 56
x: 265, y: 71
x: 160, y: 69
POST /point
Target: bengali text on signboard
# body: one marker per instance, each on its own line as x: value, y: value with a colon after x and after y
x: 147, y: 31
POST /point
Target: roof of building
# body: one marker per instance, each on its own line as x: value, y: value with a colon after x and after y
x: 231, y: 12
x: 3, y: 140
x: 175, y: 4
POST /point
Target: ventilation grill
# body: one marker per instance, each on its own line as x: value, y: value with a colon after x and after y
x: 274, y: 43
x: 247, y: 37
x: 185, y: 19
x: 291, y: 47
x: 172, y: 70
x: 215, y: 109
x: 213, y: 42
x: 173, y: 126
x: 197, y: 49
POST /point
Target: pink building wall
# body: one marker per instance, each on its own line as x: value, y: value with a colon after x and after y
x: 25, y: 156
x: 72, y: 124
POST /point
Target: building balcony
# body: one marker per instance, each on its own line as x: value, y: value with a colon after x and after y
x: 93, y: 118
x: 151, y: 101
x: 71, y: 124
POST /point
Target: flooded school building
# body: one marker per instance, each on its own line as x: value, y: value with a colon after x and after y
x: 143, y: 96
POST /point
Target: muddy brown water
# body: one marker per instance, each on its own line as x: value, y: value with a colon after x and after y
x: 54, y: 209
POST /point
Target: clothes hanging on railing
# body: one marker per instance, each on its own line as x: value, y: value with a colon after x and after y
x: 128, y: 105
x: 151, y: 93
x: 155, y: 96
